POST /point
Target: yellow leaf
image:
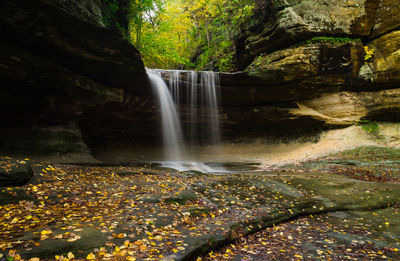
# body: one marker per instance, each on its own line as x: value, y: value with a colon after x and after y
x: 46, y: 232
x: 90, y: 256
x: 34, y: 259
x: 138, y: 242
x: 122, y: 235
x: 70, y: 255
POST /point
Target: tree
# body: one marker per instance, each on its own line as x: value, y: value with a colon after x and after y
x: 188, y: 34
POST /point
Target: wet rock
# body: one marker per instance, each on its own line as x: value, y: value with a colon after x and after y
x: 15, y: 173
x: 182, y: 197
x: 14, y: 196
x: 45, y: 141
x: 89, y: 238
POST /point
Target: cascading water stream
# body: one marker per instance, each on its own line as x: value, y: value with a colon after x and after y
x: 201, y: 98
x: 172, y: 131
x: 209, y: 82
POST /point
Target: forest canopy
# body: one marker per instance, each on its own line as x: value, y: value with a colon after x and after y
x: 195, y: 34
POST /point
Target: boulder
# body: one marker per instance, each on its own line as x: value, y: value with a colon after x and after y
x: 15, y: 173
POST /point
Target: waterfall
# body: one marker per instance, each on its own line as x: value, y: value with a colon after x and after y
x: 194, y: 93
x: 209, y: 81
x: 172, y: 131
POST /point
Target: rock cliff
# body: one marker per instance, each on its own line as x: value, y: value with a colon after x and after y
x: 66, y: 75
x: 71, y: 83
x: 315, y: 65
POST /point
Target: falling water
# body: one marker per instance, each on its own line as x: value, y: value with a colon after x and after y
x: 172, y: 131
x: 201, y: 100
x: 174, y: 83
x: 209, y: 81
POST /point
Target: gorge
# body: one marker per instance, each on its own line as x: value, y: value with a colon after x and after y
x: 293, y: 154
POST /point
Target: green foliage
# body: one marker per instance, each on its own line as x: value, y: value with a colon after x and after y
x: 256, y: 64
x: 188, y: 34
x: 334, y: 40
x: 371, y: 127
x: 110, y: 12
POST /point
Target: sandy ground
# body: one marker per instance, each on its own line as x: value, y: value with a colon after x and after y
x: 330, y: 142
x: 268, y: 154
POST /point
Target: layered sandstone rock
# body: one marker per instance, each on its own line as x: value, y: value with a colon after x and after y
x: 60, y: 66
x: 305, y: 63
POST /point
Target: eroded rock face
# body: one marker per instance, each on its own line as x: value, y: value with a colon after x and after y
x: 62, y: 65
x: 58, y: 64
x: 386, y: 61
x: 347, y: 108
x: 86, y: 10
x: 284, y: 23
x: 387, y: 17
x: 295, y: 73
x: 306, y: 66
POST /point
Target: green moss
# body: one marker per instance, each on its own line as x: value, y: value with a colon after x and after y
x: 371, y: 153
x: 333, y: 40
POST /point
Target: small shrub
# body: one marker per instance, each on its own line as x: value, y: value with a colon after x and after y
x: 368, y: 53
x: 371, y: 127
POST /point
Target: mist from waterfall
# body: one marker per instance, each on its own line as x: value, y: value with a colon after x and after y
x: 197, y: 92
